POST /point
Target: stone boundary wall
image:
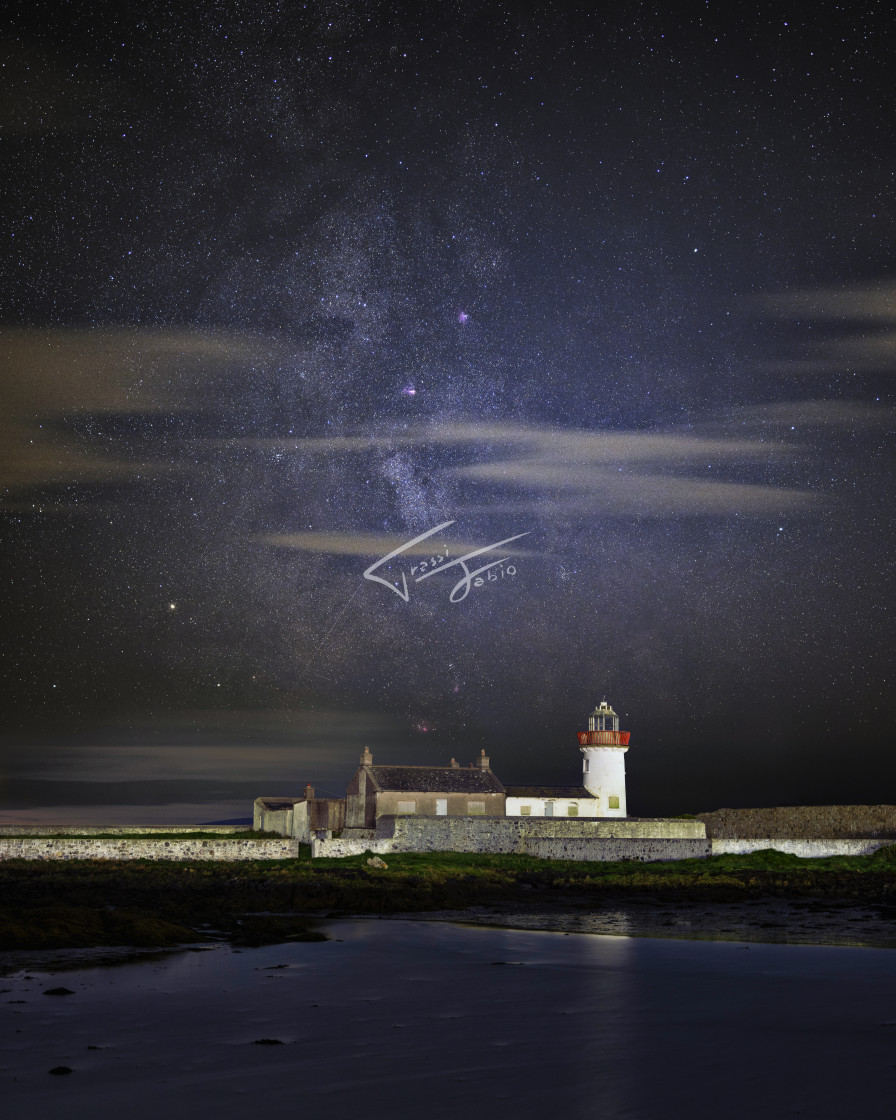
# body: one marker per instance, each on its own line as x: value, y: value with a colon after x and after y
x: 807, y: 849
x: 603, y: 849
x: 542, y: 837
x: 124, y: 849
x: 513, y: 834
x: 115, y: 830
x: 803, y: 822
x: 340, y: 848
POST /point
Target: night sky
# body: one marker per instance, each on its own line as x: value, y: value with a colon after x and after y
x: 286, y: 286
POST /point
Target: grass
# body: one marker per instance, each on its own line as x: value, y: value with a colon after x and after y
x: 140, y: 902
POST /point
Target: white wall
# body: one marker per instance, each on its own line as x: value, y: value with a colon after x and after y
x: 588, y: 807
x: 299, y: 829
x: 603, y: 775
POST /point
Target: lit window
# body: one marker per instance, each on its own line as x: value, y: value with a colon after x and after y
x: 441, y: 806
x: 476, y: 807
x: 572, y: 811
x: 407, y: 807
x: 612, y: 802
x: 525, y: 810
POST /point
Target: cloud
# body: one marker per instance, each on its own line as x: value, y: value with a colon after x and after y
x: 52, y: 377
x: 375, y: 544
x: 560, y: 471
x: 562, y: 443
x: 218, y: 746
x: 864, y: 317
x: 868, y: 353
x: 813, y: 414
x: 603, y: 493
x: 635, y: 474
x: 867, y: 303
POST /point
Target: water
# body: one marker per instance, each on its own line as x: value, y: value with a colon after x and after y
x: 438, y: 1020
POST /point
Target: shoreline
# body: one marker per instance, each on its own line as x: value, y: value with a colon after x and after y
x: 763, y: 897
x: 761, y: 921
x: 767, y: 921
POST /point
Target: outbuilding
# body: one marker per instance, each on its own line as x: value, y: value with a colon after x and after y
x: 299, y: 817
x: 551, y: 801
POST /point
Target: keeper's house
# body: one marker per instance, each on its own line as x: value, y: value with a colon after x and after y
x: 423, y: 791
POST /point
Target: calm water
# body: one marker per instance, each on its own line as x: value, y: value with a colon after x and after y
x: 435, y: 1020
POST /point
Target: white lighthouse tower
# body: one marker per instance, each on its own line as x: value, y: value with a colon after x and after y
x: 603, y: 769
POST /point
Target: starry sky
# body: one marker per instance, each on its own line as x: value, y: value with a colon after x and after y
x: 287, y: 286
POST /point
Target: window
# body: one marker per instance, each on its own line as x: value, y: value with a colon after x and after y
x: 612, y: 802
x: 441, y: 806
x: 407, y: 807
x: 585, y: 765
x: 572, y: 811
x: 476, y: 807
x: 525, y: 810
x: 549, y: 808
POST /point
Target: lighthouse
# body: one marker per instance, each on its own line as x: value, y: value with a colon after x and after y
x: 603, y: 768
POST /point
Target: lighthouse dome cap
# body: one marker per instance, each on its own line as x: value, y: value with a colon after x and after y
x: 603, y: 709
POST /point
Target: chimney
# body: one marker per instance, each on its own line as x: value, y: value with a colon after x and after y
x: 309, y: 792
x: 366, y: 757
x: 482, y: 760
x: 455, y: 765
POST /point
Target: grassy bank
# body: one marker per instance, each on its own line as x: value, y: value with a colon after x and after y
x: 81, y: 903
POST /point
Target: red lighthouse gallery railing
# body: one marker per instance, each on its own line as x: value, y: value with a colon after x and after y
x: 604, y: 738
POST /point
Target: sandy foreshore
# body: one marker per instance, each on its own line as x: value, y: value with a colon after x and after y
x: 768, y: 920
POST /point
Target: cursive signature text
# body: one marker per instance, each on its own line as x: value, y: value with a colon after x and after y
x: 437, y: 562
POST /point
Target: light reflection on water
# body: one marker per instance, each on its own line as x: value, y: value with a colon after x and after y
x: 438, y: 1020
x: 763, y: 919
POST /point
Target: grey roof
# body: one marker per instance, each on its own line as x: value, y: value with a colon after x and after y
x: 576, y: 792
x: 435, y: 779
x: 276, y: 804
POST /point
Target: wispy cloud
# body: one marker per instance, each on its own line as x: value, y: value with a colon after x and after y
x: 637, y: 474
x: 374, y: 544
x: 560, y: 471
x: 862, y: 317
x: 865, y: 303
x: 48, y: 377
x: 543, y: 440
x: 602, y: 493
x: 811, y: 414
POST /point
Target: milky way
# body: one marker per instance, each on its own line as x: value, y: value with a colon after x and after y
x: 285, y: 287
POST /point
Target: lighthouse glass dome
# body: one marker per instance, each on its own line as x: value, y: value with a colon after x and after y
x: 603, y: 718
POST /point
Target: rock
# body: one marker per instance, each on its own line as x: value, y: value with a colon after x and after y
x: 375, y: 861
x: 268, y: 1042
x: 59, y: 992
x: 60, y: 1070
